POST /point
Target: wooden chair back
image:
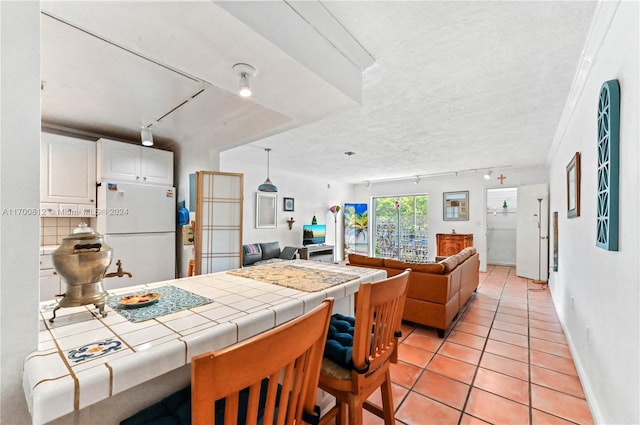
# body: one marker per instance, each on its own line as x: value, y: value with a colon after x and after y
x: 290, y: 357
x: 378, y: 317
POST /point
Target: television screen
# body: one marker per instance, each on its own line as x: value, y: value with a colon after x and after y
x: 313, y: 234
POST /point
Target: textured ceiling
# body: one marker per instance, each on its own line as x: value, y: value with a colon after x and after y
x: 455, y: 86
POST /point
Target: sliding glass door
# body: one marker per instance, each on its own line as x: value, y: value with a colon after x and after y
x: 400, y: 227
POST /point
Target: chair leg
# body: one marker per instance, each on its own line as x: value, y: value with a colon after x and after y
x: 387, y: 400
x: 341, y: 418
x: 355, y: 411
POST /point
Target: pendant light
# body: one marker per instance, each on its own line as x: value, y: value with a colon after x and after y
x: 267, y: 186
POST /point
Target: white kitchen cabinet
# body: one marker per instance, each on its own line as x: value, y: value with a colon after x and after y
x: 50, y: 283
x: 67, y: 176
x: 132, y: 163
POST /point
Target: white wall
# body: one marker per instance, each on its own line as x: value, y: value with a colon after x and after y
x: 311, y: 196
x: 20, y: 182
x: 596, y: 291
x: 434, y: 187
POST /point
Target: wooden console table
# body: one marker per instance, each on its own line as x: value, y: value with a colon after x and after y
x: 323, y: 253
x: 453, y: 243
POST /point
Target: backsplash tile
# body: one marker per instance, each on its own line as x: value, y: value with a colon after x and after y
x: 54, y: 229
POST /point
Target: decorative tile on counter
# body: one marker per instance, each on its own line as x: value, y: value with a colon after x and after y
x: 172, y: 299
x: 79, y: 340
x: 93, y: 350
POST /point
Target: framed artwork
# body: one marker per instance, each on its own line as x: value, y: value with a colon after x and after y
x: 573, y: 187
x: 456, y: 206
x: 265, y: 210
x: 555, y: 241
x: 608, y: 196
x: 356, y: 228
x: 288, y: 204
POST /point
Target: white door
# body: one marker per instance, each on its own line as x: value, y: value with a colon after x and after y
x: 532, y: 232
x: 149, y: 257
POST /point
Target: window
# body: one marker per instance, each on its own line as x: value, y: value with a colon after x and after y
x: 400, y: 227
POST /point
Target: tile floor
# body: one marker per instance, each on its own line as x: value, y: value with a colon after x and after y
x: 505, y: 361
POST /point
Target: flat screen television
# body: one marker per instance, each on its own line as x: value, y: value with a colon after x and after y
x: 313, y: 234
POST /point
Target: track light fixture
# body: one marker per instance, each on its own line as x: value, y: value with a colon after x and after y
x: 487, y: 175
x: 417, y: 180
x: 245, y: 72
x: 145, y: 136
x: 368, y: 185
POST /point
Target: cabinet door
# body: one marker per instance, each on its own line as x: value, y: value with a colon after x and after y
x: 156, y: 166
x: 49, y: 284
x: 119, y: 161
x: 67, y: 170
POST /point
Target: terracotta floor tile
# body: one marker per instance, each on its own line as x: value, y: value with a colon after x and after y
x: 550, y: 347
x: 452, y: 368
x: 423, y: 342
x: 480, y: 312
x: 404, y: 374
x: 414, y: 355
x: 507, y: 350
x: 510, y: 318
x: 467, y: 339
x: 460, y: 352
x: 542, y: 418
x: 557, y: 381
x: 484, y: 305
x: 442, y: 389
x: 548, y: 335
x: 473, y: 328
x: 509, y: 337
x: 559, y: 404
x: 417, y: 408
x: 505, y: 366
x: 398, y: 392
x: 427, y: 331
x: 550, y: 361
x: 495, y: 409
x: 551, y: 318
x: 478, y: 320
x: 522, y: 312
x: 541, y: 324
x: 511, y: 327
x: 502, y: 385
x: 470, y: 420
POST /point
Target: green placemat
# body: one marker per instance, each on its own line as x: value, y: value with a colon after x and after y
x: 171, y: 300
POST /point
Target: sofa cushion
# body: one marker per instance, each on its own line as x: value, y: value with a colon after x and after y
x: 251, y: 254
x: 356, y: 259
x: 434, y: 268
x: 288, y: 253
x: 270, y: 250
x: 449, y: 263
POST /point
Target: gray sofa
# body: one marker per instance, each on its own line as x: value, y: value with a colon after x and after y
x: 264, y: 253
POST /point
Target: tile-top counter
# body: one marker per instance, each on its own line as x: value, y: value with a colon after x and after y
x: 84, y: 358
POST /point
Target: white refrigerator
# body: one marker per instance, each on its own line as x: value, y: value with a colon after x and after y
x: 138, y: 222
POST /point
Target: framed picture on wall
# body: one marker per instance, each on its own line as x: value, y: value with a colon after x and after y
x: 455, y: 206
x: 573, y: 187
x: 265, y: 210
x: 288, y: 204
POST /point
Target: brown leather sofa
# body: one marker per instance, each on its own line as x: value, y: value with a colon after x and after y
x: 437, y: 291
